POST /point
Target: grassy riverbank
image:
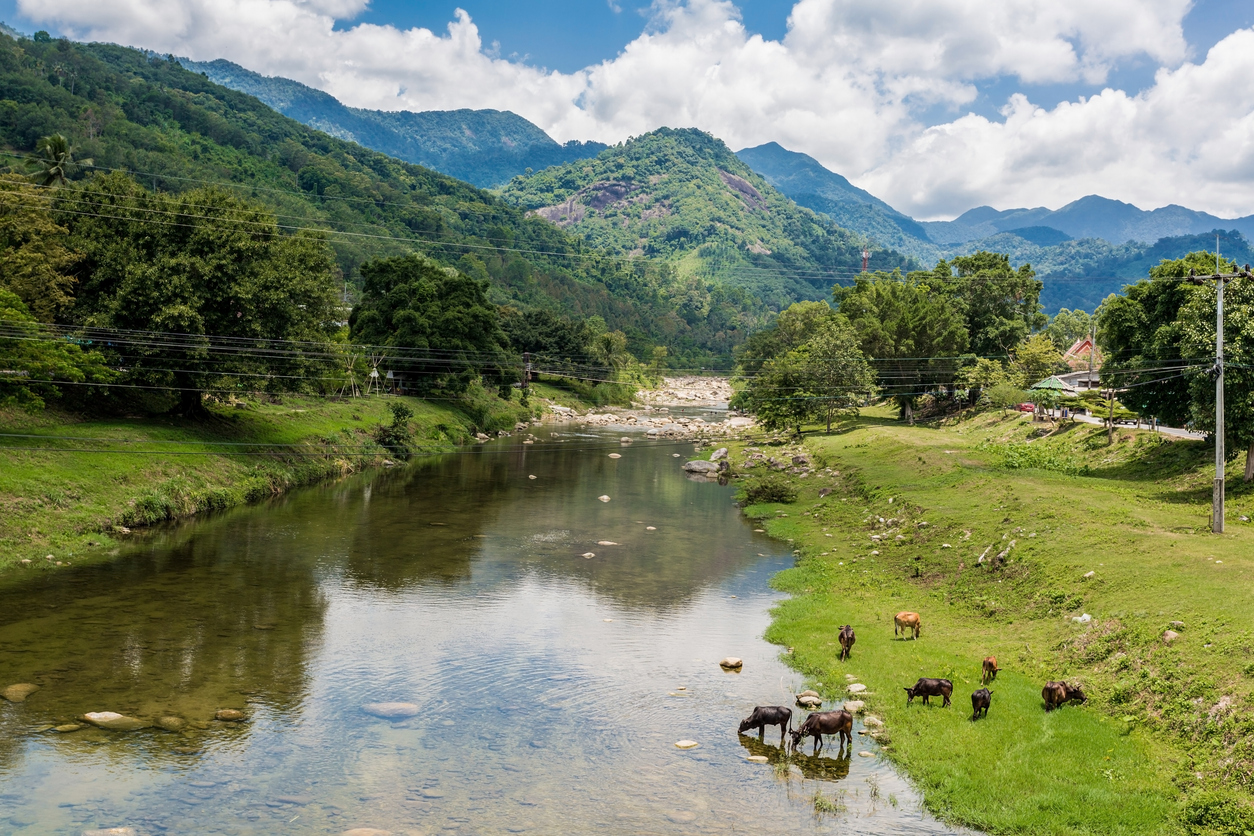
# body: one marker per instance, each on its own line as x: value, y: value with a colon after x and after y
x: 1166, y: 741
x: 72, y: 489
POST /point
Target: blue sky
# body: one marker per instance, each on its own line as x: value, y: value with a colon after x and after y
x: 934, y: 105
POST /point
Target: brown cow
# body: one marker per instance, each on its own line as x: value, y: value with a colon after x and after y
x: 907, y: 622
x: 825, y: 722
x: 1056, y: 694
x: 990, y: 670
x: 847, y: 638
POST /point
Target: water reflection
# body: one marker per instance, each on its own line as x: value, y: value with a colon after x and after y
x: 547, y: 688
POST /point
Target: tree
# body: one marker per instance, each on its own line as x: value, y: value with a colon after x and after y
x: 792, y: 327
x: 54, y: 162
x: 912, y: 333
x: 34, y: 259
x: 1000, y: 305
x: 833, y: 371
x: 1038, y: 358
x: 444, y: 330
x: 986, y: 374
x: 1066, y: 326
x: 221, y: 271
x: 35, y: 362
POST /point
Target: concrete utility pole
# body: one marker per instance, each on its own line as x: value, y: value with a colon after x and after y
x: 1220, y: 279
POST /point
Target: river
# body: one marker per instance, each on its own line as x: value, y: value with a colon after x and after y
x: 550, y: 687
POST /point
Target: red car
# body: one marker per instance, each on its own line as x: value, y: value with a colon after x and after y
x: 1027, y: 407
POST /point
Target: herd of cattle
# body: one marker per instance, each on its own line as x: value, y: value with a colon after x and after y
x: 820, y: 723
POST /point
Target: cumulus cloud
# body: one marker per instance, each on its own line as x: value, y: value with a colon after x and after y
x: 849, y: 84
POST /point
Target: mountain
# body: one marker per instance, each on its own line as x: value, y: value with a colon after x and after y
x: 174, y: 130
x: 1089, y: 217
x: 683, y: 196
x: 483, y: 147
x: 806, y: 181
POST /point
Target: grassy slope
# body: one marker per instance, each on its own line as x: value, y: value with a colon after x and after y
x: 1166, y: 736
x: 68, y: 504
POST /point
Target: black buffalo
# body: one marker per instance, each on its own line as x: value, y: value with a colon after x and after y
x: 768, y: 715
x: 928, y: 687
x: 979, y: 702
x: 825, y: 722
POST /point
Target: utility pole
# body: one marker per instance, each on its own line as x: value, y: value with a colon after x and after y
x: 1220, y: 279
x: 866, y: 256
x: 1092, y: 348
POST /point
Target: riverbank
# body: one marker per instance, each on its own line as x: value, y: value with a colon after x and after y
x: 73, y: 489
x: 1064, y: 558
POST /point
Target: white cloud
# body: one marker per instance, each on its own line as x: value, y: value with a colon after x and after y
x: 848, y: 84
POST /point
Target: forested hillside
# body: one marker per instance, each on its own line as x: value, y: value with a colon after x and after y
x: 684, y: 197
x: 483, y: 147
x: 174, y: 130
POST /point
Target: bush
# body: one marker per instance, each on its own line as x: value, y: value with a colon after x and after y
x: 1218, y: 813
x: 767, y: 489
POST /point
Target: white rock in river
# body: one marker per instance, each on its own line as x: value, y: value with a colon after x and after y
x: 809, y: 702
x: 589, y: 555
x: 686, y: 744
x: 757, y: 759
x: 809, y: 694
x: 113, y: 721
x: 854, y: 706
x: 391, y: 710
x: 606, y: 543
x: 732, y: 663
x: 603, y: 498
x: 700, y: 466
x: 865, y: 755
x: 616, y: 455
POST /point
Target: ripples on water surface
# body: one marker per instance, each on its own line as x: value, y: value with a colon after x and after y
x: 551, y: 687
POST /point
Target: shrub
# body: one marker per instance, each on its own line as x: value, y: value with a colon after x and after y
x: 767, y: 489
x: 1218, y: 813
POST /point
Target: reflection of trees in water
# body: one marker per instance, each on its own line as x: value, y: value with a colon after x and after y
x: 827, y: 766
x: 189, y: 625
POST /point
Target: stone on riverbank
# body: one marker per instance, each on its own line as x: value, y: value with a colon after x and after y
x: 854, y: 706
x: 113, y: 721
x: 732, y: 663
x: 391, y: 710
x: 856, y: 688
x: 700, y: 466
x: 229, y: 715
x: 19, y: 692
x: 809, y: 702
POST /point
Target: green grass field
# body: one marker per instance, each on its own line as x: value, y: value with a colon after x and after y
x: 72, y: 503
x: 1165, y: 743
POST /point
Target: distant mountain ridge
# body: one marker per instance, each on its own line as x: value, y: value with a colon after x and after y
x: 483, y: 147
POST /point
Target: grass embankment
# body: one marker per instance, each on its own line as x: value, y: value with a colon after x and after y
x: 73, y: 503
x: 1165, y: 743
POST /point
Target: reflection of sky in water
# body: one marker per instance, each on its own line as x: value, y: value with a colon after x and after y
x: 551, y: 687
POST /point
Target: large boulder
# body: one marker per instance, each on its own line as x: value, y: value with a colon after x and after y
x: 113, y: 721
x: 720, y: 453
x: 700, y: 466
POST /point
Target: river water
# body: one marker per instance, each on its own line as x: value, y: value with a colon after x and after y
x: 550, y: 687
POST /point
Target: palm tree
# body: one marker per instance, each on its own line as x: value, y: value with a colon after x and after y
x: 55, y: 162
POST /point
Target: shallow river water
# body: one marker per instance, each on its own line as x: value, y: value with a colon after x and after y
x: 551, y: 687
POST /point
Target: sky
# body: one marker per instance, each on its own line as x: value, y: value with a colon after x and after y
x: 934, y: 105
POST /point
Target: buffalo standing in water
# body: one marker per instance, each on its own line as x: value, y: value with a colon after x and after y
x: 825, y: 722
x: 847, y: 638
x: 768, y: 715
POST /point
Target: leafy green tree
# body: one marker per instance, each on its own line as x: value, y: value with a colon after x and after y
x: 54, y: 163
x: 791, y: 329
x: 833, y: 371
x: 32, y: 363
x: 220, y: 269
x: 1067, y: 326
x: 439, y: 322
x: 986, y: 373
x: 35, y: 262
x: 912, y: 333
x: 1001, y: 305
x: 1037, y: 358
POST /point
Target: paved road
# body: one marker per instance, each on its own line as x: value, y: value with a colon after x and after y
x: 1171, y: 431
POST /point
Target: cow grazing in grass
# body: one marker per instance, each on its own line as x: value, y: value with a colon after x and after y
x: 768, y: 715
x: 825, y: 722
x: 1056, y: 694
x: 929, y: 687
x: 907, y: 623
x: 847, y: 638
x: 979, y: 703
x: 990, y: 670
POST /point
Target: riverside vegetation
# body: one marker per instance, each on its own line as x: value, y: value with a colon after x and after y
x: 1001, y: 560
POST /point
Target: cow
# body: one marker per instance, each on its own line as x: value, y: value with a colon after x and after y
x: 1056, y: 694
x: 847, y: 638
x: 768, y: 715
x: 979, y: 702
x: 907, y: 623
x: 825, y: 722
x: 928, y: 687
x: 990, y: 670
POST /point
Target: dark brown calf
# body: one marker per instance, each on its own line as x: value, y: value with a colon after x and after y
x: 847, y: 638
x: 825, y: 722
x: 979, y: 702
x: 1056, y: 694
x: 768, y: 715
x: 990, y: 670
x: 928, y: 687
